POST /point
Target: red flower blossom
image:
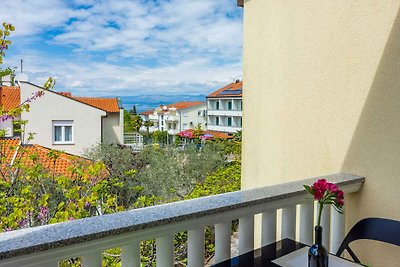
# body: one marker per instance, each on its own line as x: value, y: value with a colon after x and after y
x: 326, y: 194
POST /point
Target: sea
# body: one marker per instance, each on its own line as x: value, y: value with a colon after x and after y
x: 149, y: 102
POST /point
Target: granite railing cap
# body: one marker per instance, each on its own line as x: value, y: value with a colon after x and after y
x: 41, y: 238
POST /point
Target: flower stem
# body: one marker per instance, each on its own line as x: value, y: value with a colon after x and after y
x: 321, y: 206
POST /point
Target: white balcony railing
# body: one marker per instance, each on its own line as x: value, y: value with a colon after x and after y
x: 225, y: 112
x: 171, y: 118
x: 223, y: 128
x: 88, y: 238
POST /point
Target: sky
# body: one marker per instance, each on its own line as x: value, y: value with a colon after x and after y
x: 120, y: 47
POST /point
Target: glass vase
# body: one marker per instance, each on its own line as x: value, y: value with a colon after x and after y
x: 317, y: 254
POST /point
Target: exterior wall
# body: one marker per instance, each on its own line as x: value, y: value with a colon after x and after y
x: 112, y: 128
x: 179, y: 120
x: 8, y: 127
x: 143, y: 129
x: 223, y: 112
x: 86, y: 120
x: 191, y: 118
x: 324, y: 79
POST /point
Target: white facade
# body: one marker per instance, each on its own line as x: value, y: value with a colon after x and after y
x: 224, y: 114
x: 63, y: 123
x: 174, y: 120
x: 7, y: 126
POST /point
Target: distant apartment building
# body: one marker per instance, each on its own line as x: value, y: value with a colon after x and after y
x: 224, y: 109
x: 176, y: 117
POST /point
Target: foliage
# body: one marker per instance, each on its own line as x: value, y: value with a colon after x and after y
x: 4, y: 42
x: 132, y: 122
x: 137, y: 122
x: 133, y: 111
x: 225, y: 179
x: 160, y: 137
x: 172, y: 173
x: 122, y: 166
x: 39, y: 196
x: 128, y: 124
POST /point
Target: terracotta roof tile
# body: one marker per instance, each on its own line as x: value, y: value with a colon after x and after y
x: 106, y: 104
x: 9, y: 97
x: 183, y: 105
x: 10, y: 151
x: 147, y: 112
x: 224, y: 91
x: 218, y: 134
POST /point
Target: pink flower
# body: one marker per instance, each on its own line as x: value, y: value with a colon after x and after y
x: 340, y: 198
x: 326, y: 194
x: 333, y: 188
x: 319, y: 188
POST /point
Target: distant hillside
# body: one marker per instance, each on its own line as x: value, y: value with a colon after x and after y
x: 147, y: 102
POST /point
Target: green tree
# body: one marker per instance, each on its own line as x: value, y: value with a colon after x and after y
x: 132, y: 123
x: 133, y: 111
x: 137, y: 122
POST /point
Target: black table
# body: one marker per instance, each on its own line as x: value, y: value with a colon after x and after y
x: 263, y: 256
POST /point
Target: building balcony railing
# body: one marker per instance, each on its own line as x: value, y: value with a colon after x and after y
x: 231, y: 113
x: 171, y: 118
x: 88, y: 238
x: 223, y: 128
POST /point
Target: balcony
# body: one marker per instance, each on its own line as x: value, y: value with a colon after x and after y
x: 228, y: 113
x: 88, y: 238
x: 171, y: 118
x: 223, y: 128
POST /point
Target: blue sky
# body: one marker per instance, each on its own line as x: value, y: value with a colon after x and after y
x: 118, y: 47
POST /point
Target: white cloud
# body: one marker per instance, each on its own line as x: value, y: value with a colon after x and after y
x: 139, y: 46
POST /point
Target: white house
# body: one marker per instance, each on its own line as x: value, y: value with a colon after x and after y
x: 63, y: 122
x: 176, y: 117
x: 224, y: 109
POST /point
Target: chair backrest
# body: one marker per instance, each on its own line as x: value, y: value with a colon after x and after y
x: 379, y: 229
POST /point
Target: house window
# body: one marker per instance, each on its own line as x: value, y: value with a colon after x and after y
x: 199, y: 113
x: 185, y: 114
x: 229, y: 121
x: 63, y: 132
x: 216, y: 120
x: 230, y: 105
x: 185, y: 126
x: 217, y: 105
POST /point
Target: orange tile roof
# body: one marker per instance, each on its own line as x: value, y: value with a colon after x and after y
x: 9, y: 97
x: 10, y: 152
x: 232, y: 86
x: 106, y: 104
x: 146, y: 113
x: 182, y: 105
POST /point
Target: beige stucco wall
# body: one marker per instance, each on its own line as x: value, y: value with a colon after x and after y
x: 51, y: 106
x: 112, y: 128
x: 322, y: 96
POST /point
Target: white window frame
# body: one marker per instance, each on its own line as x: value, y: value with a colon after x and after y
x: 63, y: 124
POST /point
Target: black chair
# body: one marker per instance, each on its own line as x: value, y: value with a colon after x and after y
x: 380, y: 229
